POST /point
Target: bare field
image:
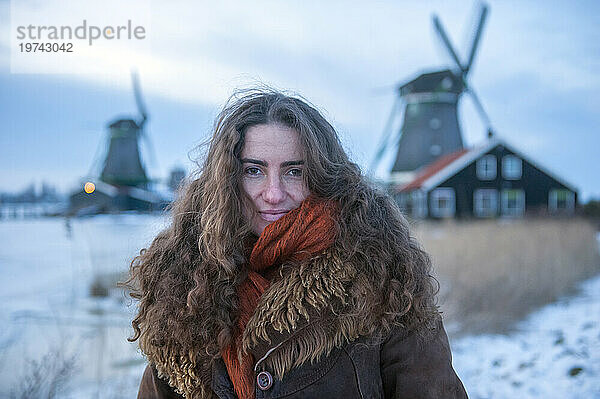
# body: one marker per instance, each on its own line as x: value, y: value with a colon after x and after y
x: 494, y: 272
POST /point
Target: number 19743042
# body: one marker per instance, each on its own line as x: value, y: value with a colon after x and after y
x: 46, y: 47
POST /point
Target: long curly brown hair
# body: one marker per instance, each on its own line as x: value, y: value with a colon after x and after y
x: 186, y: 280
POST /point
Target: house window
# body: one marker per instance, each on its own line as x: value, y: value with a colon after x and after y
x: 400, y: 200
x: 419, y: 202
x: 443, y: 202
x: 512, y: 167
x: 485, y: 202
x: 513, y: 202
x: 561, y: 200
x: 486, y: 167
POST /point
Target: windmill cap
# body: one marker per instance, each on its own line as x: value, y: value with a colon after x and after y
x: 441, y: 81
x: 124, y: 124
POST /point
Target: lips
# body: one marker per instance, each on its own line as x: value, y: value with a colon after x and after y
x: 271, y: 216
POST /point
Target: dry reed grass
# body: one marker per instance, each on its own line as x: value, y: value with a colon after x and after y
x: 494, y: 272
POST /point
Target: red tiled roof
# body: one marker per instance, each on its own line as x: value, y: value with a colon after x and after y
x: 432, y: 169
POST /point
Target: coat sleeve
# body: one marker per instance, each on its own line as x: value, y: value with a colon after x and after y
x: 154, y: 387
x: 419, y: 367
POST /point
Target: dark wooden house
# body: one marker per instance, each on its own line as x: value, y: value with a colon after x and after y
x: 99, y: 197
x: 434, y: 176
x: 491, y: 180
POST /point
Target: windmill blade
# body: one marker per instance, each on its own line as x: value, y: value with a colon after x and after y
x: 385, y: 138
x: 442, y: 33
x: 484, y: 116
x: 138, y: 98
x: 99, y: 157
x: 151, y: 153
x: 482, y: 18
x: 142, y: 110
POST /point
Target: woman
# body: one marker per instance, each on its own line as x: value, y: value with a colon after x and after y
x: 285, y: 274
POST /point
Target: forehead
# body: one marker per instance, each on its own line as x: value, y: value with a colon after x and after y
x: 276, y: 142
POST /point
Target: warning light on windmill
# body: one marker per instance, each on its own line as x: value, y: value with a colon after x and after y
x: 89, y: 187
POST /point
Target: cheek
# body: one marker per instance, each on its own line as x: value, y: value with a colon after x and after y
x: 251, y: 188
x: 298, y: 192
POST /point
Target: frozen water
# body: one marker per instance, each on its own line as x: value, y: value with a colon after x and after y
x: 47, y: 268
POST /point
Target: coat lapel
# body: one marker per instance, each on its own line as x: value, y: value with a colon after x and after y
x: 303, y: 315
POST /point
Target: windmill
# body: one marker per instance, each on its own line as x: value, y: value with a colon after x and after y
x: 123, y: 165
x: 430, y: 127
x: 123, y: 183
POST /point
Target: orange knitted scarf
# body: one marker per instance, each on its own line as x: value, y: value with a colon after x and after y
x: 299, y: 234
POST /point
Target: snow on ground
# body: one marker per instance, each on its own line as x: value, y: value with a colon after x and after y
x: 554, y: 353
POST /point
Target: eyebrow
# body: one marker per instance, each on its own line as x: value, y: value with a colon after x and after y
x: 255, y: 161
x: 263, y: 163
x: 291, y: 163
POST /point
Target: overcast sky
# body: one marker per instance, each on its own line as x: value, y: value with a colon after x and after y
x: 537, y: 73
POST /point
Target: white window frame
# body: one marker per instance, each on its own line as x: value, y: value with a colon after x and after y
x: 419, y: 204
x: 553, y: 200
x: 512, y: 167
x: 478, y: 197
x: 520, y: 209
x: 443, y: 193
x: 486, y: 167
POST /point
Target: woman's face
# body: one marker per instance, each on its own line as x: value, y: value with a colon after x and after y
x: 272, y: 174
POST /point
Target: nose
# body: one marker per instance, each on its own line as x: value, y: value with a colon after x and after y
x: 273, y: 192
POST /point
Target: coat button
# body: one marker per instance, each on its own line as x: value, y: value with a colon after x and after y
x: 264, y: 380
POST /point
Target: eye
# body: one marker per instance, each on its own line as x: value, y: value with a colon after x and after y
x: 295, y: 172
x: 252, y: 171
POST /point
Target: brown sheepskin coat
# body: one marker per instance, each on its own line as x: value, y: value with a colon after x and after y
x: 308, y: 342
